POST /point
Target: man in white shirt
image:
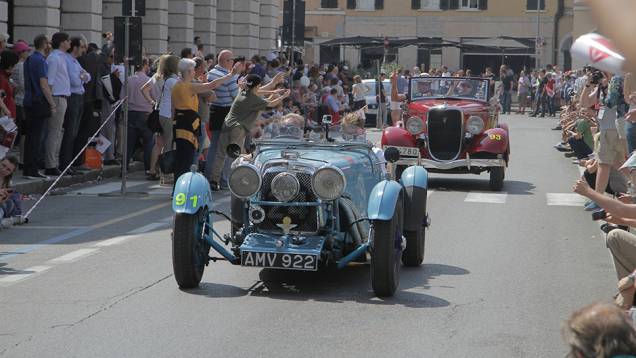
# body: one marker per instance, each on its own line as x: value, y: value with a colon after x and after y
x: 61, y: 89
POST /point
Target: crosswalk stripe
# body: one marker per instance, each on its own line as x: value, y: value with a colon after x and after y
x: 74, y: 255
x: 114, y: 241
x: 490, y: 198
x: 105, y: 188
x: 147, y: 228
x: 10, y: 279
x: 565, y: 199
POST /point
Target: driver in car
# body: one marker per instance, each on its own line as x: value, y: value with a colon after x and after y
x: 464, y: 89
x: 424, y: 89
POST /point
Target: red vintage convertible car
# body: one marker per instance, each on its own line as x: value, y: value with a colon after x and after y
x: 451, y: 127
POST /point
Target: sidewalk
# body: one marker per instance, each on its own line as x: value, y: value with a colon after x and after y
x: 39, y: 186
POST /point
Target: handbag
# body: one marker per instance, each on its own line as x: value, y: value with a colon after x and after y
x: 166, y: 161
x: 153, y: 118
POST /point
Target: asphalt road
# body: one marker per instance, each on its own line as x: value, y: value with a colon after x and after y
x: 91, y: 276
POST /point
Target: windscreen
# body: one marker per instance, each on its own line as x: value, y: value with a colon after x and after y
x: 445, y: 87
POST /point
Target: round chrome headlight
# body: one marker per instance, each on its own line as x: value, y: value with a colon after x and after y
x: 285, y: 186
x: 475, y: 125
x: 245, y: 181
x: 414, y: 125
x: 328, y: 183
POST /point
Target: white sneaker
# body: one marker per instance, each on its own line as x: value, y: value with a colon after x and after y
x: 6, y: 223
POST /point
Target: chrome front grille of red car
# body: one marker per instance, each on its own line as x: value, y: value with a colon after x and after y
x: 445, y: 133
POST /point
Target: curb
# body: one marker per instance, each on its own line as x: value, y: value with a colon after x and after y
x: 37, y: 186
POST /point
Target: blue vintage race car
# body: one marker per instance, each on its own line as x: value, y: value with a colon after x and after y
x: 305, y: 204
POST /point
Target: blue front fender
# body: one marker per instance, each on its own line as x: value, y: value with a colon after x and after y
x: 191, y: 193
x: 383, y: 199
x: 415, y: 176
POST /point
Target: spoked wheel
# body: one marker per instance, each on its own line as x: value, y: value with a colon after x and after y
x: 497, y: 175
x: 386, y: 253
x: 189, y: 249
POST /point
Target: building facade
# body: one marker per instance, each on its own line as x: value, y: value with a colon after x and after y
x: 461, y: 21
x: 247, y: 27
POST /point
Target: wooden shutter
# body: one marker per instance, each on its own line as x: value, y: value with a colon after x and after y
x: 483, y: 4
x: 444, y: 4
x: 416, y: 4
x: 379, y: 4
x: 454, y: 4
x: 351, y: 4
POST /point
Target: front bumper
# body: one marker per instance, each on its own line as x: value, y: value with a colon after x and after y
x: 453, y: 164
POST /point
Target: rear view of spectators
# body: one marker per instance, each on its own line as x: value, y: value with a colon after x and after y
x: 8, y: 59
x: 599, y: 330
x: 38, y: 105
x: 61, y: 89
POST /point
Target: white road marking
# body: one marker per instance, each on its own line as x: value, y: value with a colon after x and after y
x: 35, y: 227
x: 114, y: 241
x: 104, y: 188
x: 73, y: 256
x: 565, y: 199
x: 31, y: 271
x: 429, y: 192
x: 490, y: 198
x: 147, y: 228
x: 167, y: 219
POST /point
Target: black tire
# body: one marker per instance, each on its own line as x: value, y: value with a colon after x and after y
x: 413, y: 256
x: 189, y: 252
x: 497, y: 175
x: 385, y: 255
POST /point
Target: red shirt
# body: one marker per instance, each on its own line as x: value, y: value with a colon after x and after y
x: 5, y: 87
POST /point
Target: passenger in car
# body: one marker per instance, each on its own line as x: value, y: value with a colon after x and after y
x: 352, y: 127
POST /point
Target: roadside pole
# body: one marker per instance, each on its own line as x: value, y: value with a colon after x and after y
x: 124, y: 163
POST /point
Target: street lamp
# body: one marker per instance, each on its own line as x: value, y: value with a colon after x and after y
x: 537, y: 43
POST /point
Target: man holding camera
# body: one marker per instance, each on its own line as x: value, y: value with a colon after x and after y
x: 611, y: 146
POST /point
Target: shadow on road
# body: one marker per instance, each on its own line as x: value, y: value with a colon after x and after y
x: 6, y: 270
x: 512, y: 187
x: 350, y: 284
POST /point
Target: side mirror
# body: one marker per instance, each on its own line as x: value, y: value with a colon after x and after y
x: 233, y: 151
x: 391, y: 154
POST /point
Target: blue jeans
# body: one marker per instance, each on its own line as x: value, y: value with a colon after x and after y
x: 506, y: 101
x: 630, y: 132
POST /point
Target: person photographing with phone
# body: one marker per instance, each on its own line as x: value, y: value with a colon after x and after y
x: 240, y: 120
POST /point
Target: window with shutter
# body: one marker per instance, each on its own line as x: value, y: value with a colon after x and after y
x: 444, y: 4
x: 469, y: 4
x: 415, y: 4
x: 532, y: 5
x: 365, y: 4
x: 329, y: 4
x: 379, y: 4
x: 428, y: 4
x: 351, y: 4
x: 483, y: 4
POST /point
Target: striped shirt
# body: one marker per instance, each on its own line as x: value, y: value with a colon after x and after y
x: 225, y: 93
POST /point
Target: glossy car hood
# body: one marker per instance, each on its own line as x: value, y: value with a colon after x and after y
x: 317, y: 158
x: 422, y: 106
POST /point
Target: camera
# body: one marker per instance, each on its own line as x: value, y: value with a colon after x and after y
x: 599, y: 215
x: 597, y: 76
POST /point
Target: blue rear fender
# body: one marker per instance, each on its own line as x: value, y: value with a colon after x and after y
x: 383, y: 199
x: 415, y: 176
x: 191, y: 193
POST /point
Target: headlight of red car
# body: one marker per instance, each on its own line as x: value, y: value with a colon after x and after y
x: 414, y: 125
x: 475, y: 125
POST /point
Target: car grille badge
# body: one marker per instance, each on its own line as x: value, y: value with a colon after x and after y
x: 287, y: 225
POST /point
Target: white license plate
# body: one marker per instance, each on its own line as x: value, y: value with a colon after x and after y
x: 405, y: 151
x: 280, y: 260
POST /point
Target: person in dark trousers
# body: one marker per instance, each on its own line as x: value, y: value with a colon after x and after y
x: 138, y: 110
x: 93, y: 63
x: 78, y: 77
x: 38, y: 105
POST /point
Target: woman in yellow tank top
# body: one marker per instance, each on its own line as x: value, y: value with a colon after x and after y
x: 186, y: 120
